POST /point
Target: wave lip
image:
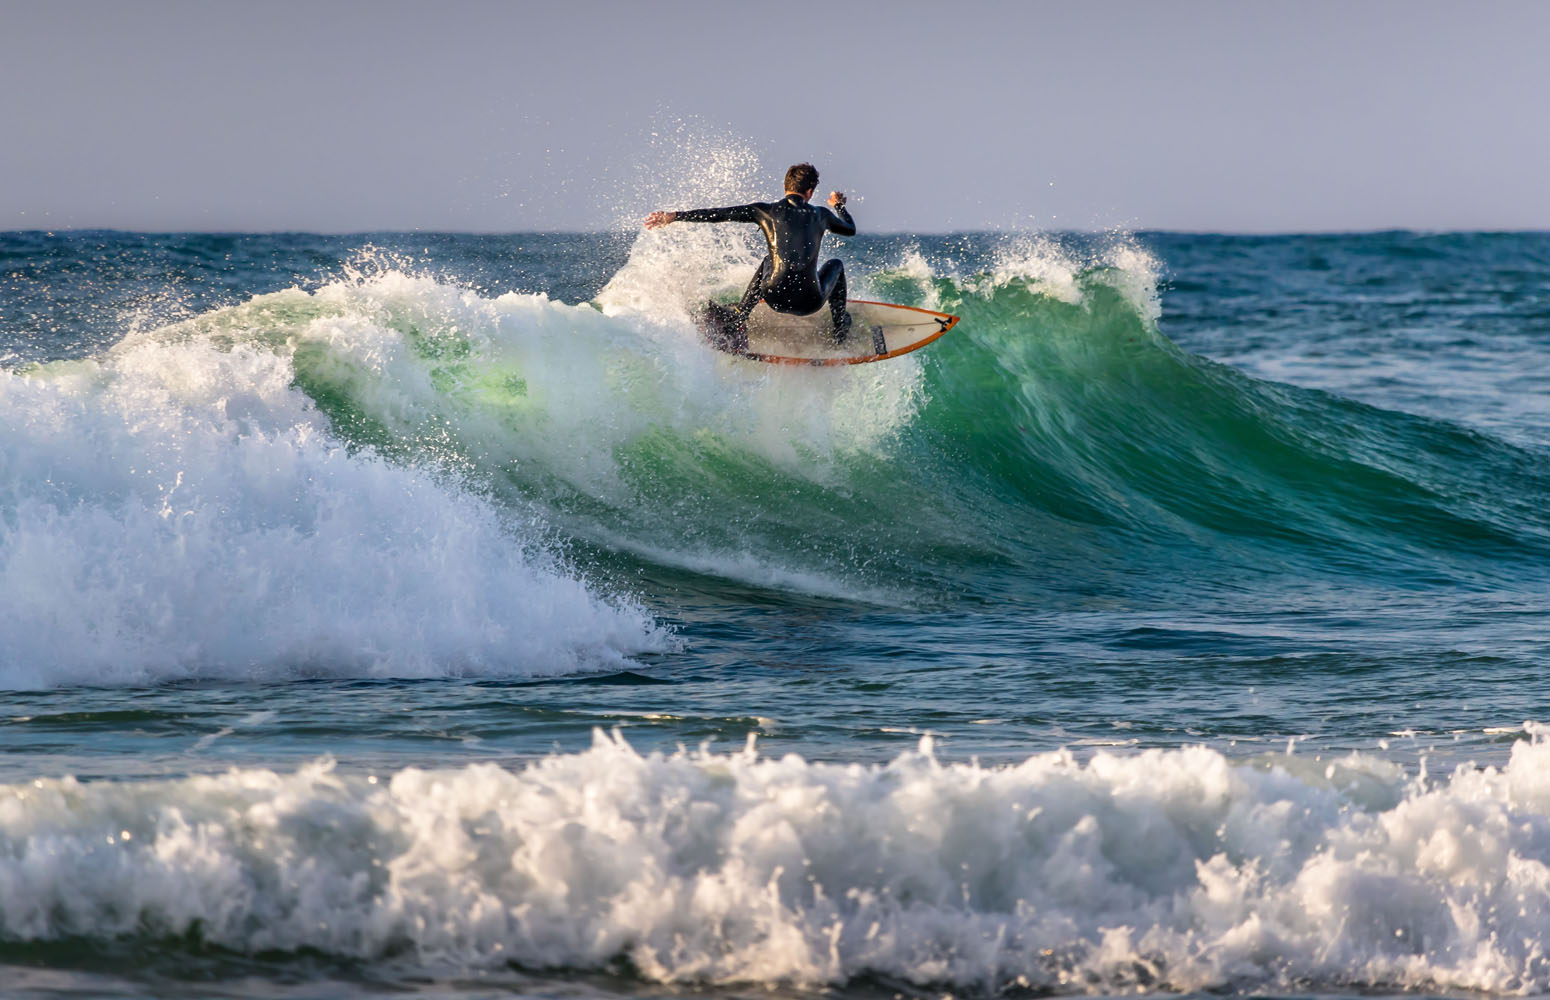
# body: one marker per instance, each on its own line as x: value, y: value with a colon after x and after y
x: 1172, y: 870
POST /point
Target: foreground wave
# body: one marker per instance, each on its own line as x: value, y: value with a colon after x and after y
x: 1174, y: 870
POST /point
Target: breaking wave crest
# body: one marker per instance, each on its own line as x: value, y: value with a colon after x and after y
x: 1173, y: 870
x: 179, y: 508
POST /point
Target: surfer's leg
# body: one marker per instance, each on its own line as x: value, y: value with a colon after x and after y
x: 831, y: 282
x: 755, y: 290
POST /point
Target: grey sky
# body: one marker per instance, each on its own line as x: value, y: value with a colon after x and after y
x: 465, y: 115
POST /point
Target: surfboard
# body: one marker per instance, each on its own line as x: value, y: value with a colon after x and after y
x: 878, y: 331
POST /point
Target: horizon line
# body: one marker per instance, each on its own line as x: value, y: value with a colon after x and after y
x: 1414, y: 231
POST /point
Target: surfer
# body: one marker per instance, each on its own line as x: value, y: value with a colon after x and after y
x: 789, y: 279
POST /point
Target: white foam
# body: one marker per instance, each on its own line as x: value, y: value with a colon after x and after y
x: 178, y: 509
x: 1174, y: 870
x: 1059, y: 270
x: 593, y: 382
x: 914, y: 266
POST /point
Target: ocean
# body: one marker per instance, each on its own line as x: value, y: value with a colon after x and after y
x: 433, y: 614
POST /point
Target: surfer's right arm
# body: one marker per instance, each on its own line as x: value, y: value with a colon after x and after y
x: 839, y: 221
x: 736, y: 213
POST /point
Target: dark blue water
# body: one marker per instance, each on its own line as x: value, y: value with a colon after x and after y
x: 395, y: 611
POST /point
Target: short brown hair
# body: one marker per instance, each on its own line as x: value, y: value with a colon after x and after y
x: 802, y: 177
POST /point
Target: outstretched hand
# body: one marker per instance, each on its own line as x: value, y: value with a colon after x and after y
x: 836, y: 199
x: 656, y: 220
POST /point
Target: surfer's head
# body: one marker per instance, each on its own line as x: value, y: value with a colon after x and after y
x: 802, y: 179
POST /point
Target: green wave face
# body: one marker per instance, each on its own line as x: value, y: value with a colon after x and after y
x: 1055, y: 443
x: 1086, y: 412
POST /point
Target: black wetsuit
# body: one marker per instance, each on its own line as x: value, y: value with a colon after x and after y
x: 789, y: 279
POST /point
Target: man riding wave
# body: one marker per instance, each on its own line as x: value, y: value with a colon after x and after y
x: 789, y: 279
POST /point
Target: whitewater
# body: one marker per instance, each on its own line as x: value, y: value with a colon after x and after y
x: 437, y: 613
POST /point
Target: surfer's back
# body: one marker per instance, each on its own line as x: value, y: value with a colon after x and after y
x: 794, y: 228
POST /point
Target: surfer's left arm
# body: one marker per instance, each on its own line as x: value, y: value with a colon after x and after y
x: 735, y: 213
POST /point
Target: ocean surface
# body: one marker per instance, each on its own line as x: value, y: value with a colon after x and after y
x: 434, y: 615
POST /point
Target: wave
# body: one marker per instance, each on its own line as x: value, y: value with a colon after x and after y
x: 1060, y: 409
x: 395, y: 474
x: 1169, y: 870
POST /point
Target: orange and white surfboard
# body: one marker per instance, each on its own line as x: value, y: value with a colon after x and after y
x: 879, y: 330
